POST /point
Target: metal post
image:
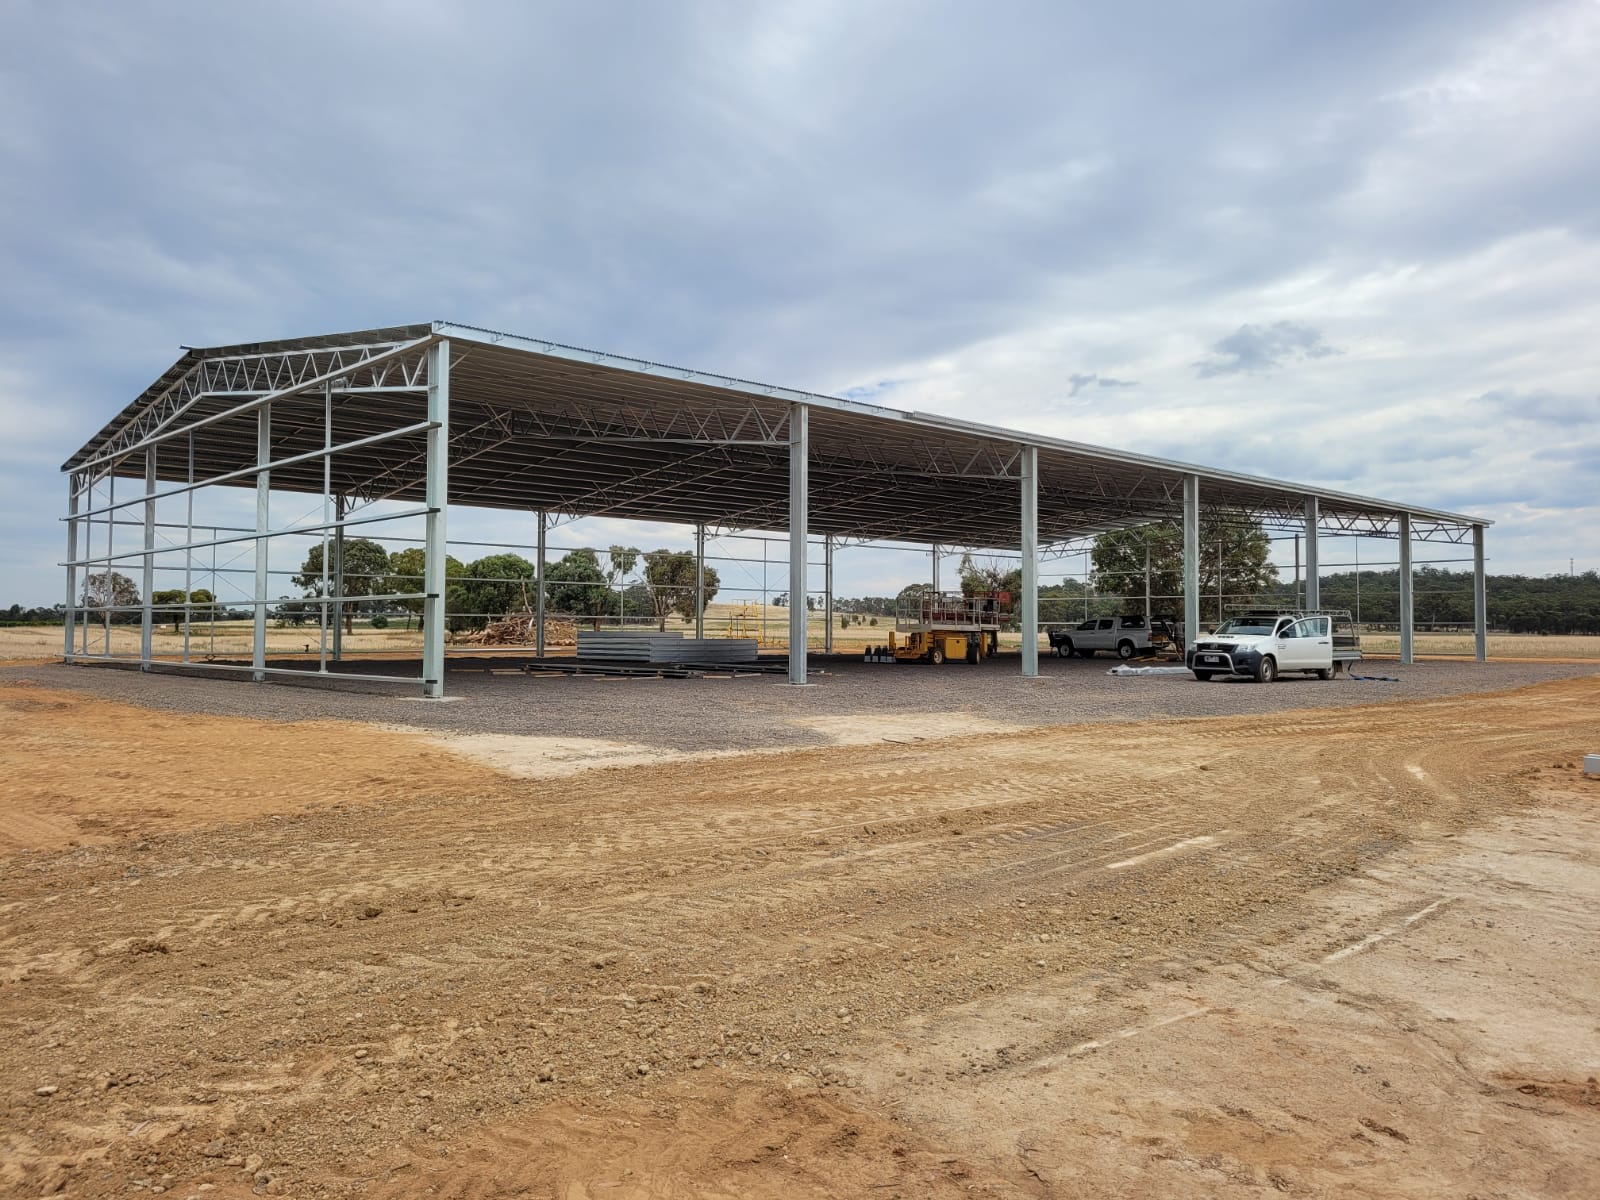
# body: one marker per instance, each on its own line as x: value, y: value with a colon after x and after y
x: 1147, y: 585
x: 1298, y: 601
x: 188, y: 564
x: 1030, y: 561
x: 699, y: 581
x: 538, y: 588
x: 147, y: 615
x: 338, y: 578
x: 108, y: 593
x: 1221, y: 613
x: 935, y: 552
x: 827, y: 593
x: 1480, y: 598
x: 799, y: 507
x: 1313, y: 561
x: 1191, y: 559
x: 258, y: 645
x: 71, y: 615
x: 323, y: 608
x: 438, y: 502
x: 1407, y: 626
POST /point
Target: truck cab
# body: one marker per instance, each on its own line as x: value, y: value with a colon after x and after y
x: 1263, y: 644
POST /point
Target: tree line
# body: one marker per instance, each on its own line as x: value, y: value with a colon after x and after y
x: 1234, y: 561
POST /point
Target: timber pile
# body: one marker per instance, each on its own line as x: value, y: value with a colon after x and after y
x: 517, y: 629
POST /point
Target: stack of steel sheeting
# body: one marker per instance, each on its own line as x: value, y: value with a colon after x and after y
x: 629, y: 646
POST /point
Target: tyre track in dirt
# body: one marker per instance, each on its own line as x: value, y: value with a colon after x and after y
x: 754, y: 915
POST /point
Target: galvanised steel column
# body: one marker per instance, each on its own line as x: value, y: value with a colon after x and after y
x: 338, y: 578
x: 438, y: 502
x: 827, y: 593
x: 258, y: 644
x: 1480, y: 598
x: 1191, y: 560
x: 1407, y: 622
x: 538, y: 588
x: 147, y: 611
x: 936, y: 568
x: 71, y: 614
x: 1313, y: 569
x: 699, y: 581
x: 1030, y: 561
x: 799, y: 506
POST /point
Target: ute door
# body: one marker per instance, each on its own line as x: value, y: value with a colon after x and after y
x: 1289, y: 647
x: 1319, y: 641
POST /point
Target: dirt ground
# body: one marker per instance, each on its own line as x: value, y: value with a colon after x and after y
x: 1350, y: 951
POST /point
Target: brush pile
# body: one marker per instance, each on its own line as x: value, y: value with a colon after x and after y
x: 517, y: 629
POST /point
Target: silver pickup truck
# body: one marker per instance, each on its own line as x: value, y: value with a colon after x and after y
x: 1125, y: 635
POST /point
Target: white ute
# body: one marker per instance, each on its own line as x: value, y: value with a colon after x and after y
x: 1264, y: 644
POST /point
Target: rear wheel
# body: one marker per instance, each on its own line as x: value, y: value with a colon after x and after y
x: 1325, y: 673
x: 1124, y: 649
x: 1204, y: 676
x: 972, y: 652
x: 1267, y: 671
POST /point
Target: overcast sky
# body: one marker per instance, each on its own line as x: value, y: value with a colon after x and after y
x: 1354, y: 244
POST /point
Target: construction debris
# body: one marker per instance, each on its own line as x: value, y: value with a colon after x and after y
x: 519, y: 629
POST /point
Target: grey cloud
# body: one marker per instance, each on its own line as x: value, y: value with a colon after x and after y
x: 1080, y: 382
x: 802, y: 194
x: 1263, y: 347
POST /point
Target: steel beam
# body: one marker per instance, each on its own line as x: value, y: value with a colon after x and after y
x: 1313, y: 567
x: 1030, y: 561
x: 148, y: 574
x: 1407, y: 618
x: 340, y: 508
x: 1480, y: 599
x: 799, y: 425
x: 538, y: 585
x: 827, y: 593
x: 258, y: 643
x: 1191, y: 559
x: 700, y: 581
x: 71, y: 614
x: 438, y: 503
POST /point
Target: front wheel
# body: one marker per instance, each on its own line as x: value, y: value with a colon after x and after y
x: 1066, y: 649
x: 1124, y: 649
x: 1204, y: 676
x: 936, y: 655
x: 1267, y: 671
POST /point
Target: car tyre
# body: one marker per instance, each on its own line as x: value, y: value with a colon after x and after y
x: 1066, y: 648
x: 1325, y: 673
x: 1267, y: 669
x: 1124, y: 649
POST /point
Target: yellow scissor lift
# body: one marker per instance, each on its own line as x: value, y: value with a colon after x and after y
x: 940, y: 627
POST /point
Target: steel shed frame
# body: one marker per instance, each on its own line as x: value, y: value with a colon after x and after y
x: 427, y: 416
